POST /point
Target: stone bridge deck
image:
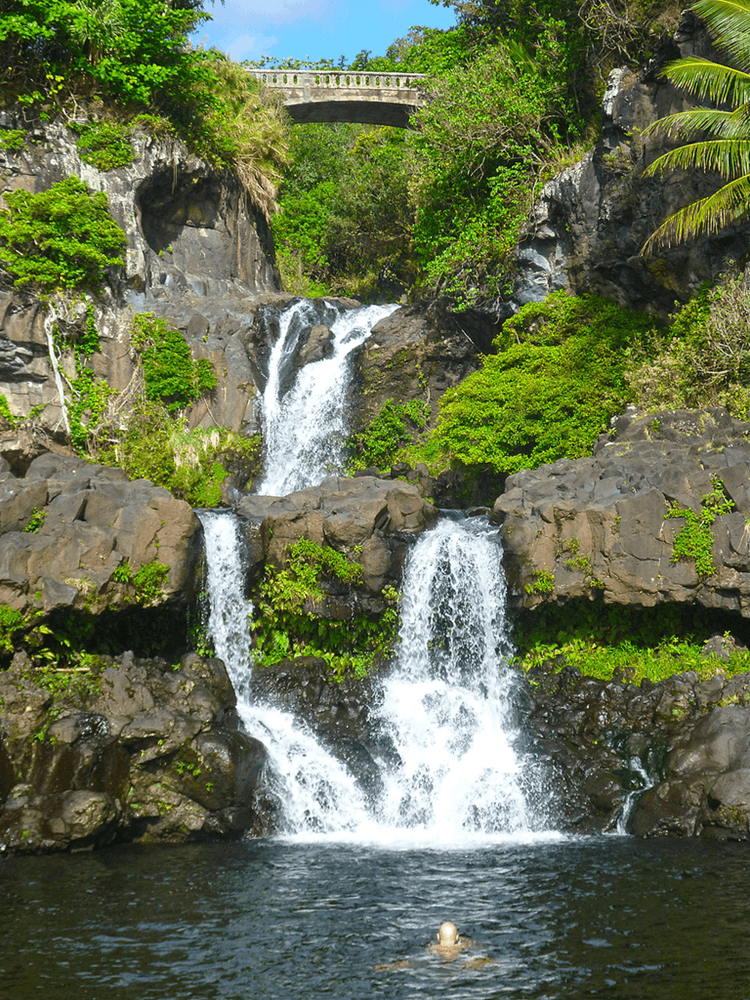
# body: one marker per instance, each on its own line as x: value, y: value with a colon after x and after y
x: 347, y: 96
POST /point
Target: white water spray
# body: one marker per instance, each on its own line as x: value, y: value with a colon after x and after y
x: 447, y: 703
x: 304, y: 428
x: 454, y: 775
x: 316, y: 791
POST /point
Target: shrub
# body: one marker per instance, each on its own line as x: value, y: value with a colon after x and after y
x: 558, y: 378
x: 61, y: 238
x: 704, y: 358
x: 169, y: 372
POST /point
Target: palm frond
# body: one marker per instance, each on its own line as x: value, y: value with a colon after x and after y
x: 709, y: 81
x: 729, y: 21
x: 711, y: 121
x: 729, y: 158
x: 727, y: 206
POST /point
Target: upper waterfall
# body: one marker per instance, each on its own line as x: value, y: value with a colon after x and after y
x: 304, y: 412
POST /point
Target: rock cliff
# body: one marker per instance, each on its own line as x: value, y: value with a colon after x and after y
x: 591, y: 221
x: 134, y: 750
x: 599, y: 526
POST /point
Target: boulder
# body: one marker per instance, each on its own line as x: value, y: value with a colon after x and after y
x: 370, y: 520
x: 670, y: 759
x: 126, y: 749
x: 598, y: 526
x: 75, y: 535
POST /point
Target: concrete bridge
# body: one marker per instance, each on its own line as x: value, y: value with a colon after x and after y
x: 347, y: 96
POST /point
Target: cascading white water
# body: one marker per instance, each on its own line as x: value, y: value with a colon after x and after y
x: 316, y: 791
x: 447, y: 702
x: 304, y: 428
x: 446, y: 705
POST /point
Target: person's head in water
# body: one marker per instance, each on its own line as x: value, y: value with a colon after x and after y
x: 447, y: 936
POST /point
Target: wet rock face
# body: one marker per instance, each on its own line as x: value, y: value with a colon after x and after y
x: 417, y: 353
x: 681, y: 748
x: 148, y: 752
x: 597, y: 526
x: 592, y: 220
x: 70, y: 531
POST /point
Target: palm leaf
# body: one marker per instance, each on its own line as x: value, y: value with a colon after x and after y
x: 697, y: 120
x: 709, y: 81
x: 727, y: 157
x: 729, y: 20
x: 727, y: 206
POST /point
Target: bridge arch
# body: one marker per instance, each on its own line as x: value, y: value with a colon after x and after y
x: 347, y: 96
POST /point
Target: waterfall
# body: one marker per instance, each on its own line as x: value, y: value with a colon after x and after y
x: 304, y: 417
x: 454, y: 773
x: 448, y: 701
x: 316, y: 791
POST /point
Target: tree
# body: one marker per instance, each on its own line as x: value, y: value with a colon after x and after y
x: 720, y: 133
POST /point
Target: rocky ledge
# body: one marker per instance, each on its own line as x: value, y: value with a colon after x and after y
x: 598, y: 526
x: 76, y: 536
x: 671, y: 758
x: 127, y: 749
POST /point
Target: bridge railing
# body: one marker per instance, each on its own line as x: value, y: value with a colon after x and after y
x: 337, y: 80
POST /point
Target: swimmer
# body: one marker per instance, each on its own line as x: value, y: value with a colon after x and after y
x: 449, y: 942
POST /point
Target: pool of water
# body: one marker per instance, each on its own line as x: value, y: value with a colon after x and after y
x: 598, y: 917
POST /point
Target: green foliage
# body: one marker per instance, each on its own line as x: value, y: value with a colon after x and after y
x: 12, y: 138
x: 720, y: 130
x: 10, y: 621
x: 106, y: 145
x: 149, y: 581
x: 134, y: 50
x: 558, y: 378
x: 36, y: 521
x: 704, y: 357
x: 629, y: 643
x: 543, y: 583
x: 60, y: 238
x: 632, y: 664
x: 695, y: 540
x: 190, y: 464
x: 5, y: 412
x: 289, y: 622
x: 345, y: 218
x: 170, y: 374
x: 475, y: 148
x: 388, y: 432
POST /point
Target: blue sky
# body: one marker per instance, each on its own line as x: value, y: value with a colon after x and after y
x: 315, y: 29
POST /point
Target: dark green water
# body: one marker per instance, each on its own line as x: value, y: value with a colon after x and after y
x: 604, y: 917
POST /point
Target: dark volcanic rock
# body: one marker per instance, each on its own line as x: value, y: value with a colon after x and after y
x: 598, y: 525
x: 680, y: 747
x: 87, y: 522
x: 143, y: 752
x: 592, y: 220
x: 371, y: 520
x: 417, y: 353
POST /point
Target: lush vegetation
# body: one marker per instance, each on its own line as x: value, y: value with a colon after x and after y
x: 558, y: 377
x: 375, y: 212
x: 291, y: 620
x: 62, y: 238
x: 130, y: 64
x: 703, y: 357
x: 621, y: 643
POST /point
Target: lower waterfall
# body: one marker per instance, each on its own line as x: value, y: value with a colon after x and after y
x: 454, y: 773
